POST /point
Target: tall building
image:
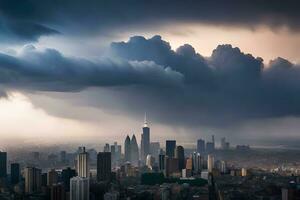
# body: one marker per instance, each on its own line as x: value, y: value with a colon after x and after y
x: 33, y: 180
x: 83, y: 163
x: 145, y: 141
x: 3, y: 164
x: 52, y: 177
x: 171, y: 166
x: 170, y: 148
x: 15, y: 173
x: 63, y: 156
x: 150, y: 160
x: 127, y: 150
x: 57, y: 192
x: 200, y: 146
x: 134, y: 151
x: 113, y: 155
x: 106, y: 148
x: 210, y: 163
x: 104, y: 166
x: 197, y: 163
x: 79, y: 188
x: 161, y: 162
x: 154, y: 150
x: 67, y: 174
x: 179, y: 154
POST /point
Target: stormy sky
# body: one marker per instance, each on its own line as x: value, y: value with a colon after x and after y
x: 87, y: 71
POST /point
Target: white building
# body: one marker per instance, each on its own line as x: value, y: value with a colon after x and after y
x: 79, y: 188
x: 33, y: 180
x: 82, y: 165
x: 210, y: 163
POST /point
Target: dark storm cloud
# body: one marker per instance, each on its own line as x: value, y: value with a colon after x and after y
x: 100, y: 17
x: 179, y: 87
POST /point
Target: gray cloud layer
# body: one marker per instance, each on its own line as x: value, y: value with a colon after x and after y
x: 179, y: 86
x: 30, y: 19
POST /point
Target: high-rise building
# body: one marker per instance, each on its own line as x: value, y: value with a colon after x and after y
x: 52, y: 177
x: 33, y: 180
x: 106, y: 148
x: 179, y: 154
x: 170, y: 148
x: 210, y: 163
x: 161, y: 162
x: 145, y: 141
x: 3, y: 164
x: 134, y: 149
x: 67, y: 174
x: 197, y: 163
x: 189, y: 164
x: 200, y: 146
x: 127, y: 150
x: 154, y: 150
x: 79, y: 188
x: 15, y: 173
x: 104, y: 166
x: 63, y: 156
x: 83, y: 163
x: 150, y: 161
x: 57, y: 192
x: 171, y: 166
x: 113, y: 155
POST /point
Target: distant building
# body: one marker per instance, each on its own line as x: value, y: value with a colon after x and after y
x: 171, y: 166
x: 83, y: 163
x: 150, y: 161
x: 155, y: 150
x: 3, y: 164
x: 79, y: 188
x: 33, y: 180
x: 179, y: 154
x: 15, y: 173
x: 170, y: 148
x: 161, y: 162
x: 57, y: 192
x: 200, y: 146
x: 224, y: 145
x: 189, y: 164
x: 63, y: 156
x: 127, y: 149
x: 210, y: 146
x: 210, y: 163
x: 106, y: 148
x: 52, y: 177
x: 145, y: 141
x: 244, y: 172
x: 104, y: 166
x: 134, y: 151
x: 197, y: 162
x: 242, y: 147
x: 67, y: 174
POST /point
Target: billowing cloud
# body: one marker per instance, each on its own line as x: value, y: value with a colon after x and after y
x: 176, y: 86
x: 30, y: 18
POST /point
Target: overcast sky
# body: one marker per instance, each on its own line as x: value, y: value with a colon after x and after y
x: 87, y: 71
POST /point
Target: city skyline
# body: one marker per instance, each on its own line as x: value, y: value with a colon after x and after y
x: 231, y: 70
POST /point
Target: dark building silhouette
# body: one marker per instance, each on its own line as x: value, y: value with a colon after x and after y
x: 171, y: 166
x: 161, y: 162
x: 104, y: 166
x: 200, y: 146
x: 145, y: 142
x: 3, y: 164
x: 179, y: 154
x: 170, y: 148
x: 15, y: 173
x: 57, y: 192
x: 127, y: 149
x: 66, y: 175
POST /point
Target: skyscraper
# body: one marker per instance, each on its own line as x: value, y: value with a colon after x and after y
x: 106, y: 148
x: 33, y: 180
x: 171, y: 166
x: 150, y: 161
x: 104, y: 166
x: 15, y: 173
x: 127, y: 148
x: 197, y: 162
x: 200, y: 146
x: 170, y: 148
x: 145, y: 142
x: 57, y: 192
x: 83, y: 163
x: 161, y: 162
x: 134, y: 155
x: 210, y: 163
x: 3, y: 164
x: 154, y: 150
x: 79, y: 188
x: 179, y: 154
x: 52, y: 177
x: 67, y: 174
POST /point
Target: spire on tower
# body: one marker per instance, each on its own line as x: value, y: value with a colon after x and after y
x: 145, y: 120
